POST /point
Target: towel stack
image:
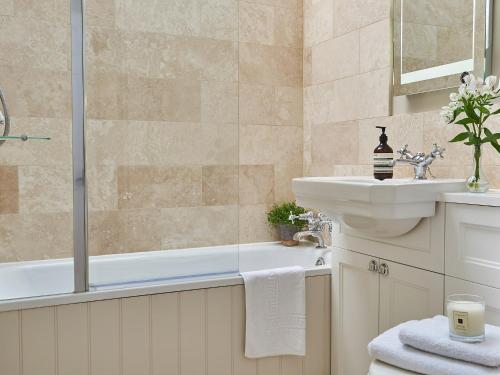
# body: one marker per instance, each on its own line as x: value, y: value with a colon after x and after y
x: 425, y: 347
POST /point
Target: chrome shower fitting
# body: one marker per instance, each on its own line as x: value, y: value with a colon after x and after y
x: 4, y: 117
x: 5, y: 123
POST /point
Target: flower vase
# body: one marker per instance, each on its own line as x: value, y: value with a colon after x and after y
x: 477, y: 182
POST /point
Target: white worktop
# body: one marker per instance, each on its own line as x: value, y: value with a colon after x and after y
x: 491, y: 198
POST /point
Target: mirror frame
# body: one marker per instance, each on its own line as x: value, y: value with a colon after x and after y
x: 481, y: 60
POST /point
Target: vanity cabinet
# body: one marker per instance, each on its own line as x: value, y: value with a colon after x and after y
x: 371, y: 295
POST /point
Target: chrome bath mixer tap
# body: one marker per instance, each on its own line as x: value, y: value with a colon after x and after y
x: 420, y: 161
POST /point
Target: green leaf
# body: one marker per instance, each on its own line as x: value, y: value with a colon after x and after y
x: 496, y: 146
x: 484, y: 110
x: 461, y: 137
x: 496, y: 112
x: 465, y: 121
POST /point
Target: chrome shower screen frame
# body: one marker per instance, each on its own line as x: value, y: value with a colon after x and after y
x: 80, y: 243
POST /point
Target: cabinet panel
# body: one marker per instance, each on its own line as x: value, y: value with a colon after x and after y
x: 472, y: 238
x: 355, y: 304
x: 422, y: 247
x: 490, y: 295
x: 408, y: 293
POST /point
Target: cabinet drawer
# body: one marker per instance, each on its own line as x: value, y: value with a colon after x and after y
x: 472, y: 243
x: 490, y: 295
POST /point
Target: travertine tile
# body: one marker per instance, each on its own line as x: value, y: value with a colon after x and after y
x: 253, y: 224
x: 345, y: 104
x: 158, y: 187
x: 57, y: 11
x: 219, y: 19
x: 256, y: 184
x: 371, y: 11
x: 220, y: 185
x: 37, y: 93
x: 318, y: 21
x: 124, y: 231
x: 270, y: 144
x: 102, y: 187
x: 36, y: 236
x: 256, y: 23
x: 100, y: 13
x: 106, y: 95
x: 307, y: 66
x: 44, y: 189
x: 9, y: 190
x: 106, y: 49
x: 256, y: 104
x: 283, y: 175
x: 176, y: 17
x: 346, y: 16
x: 374, y: 93
x: 219, y: 102
x: 288, y: 106
x: 336, y: 58
x: 35, y: 44
x: 375, y: 46
x: 266, y: 65
x: 288, y: 27
x: 334, y: 144
x: 6, y: 7
x: 199, y: 226
x: 180, y: 101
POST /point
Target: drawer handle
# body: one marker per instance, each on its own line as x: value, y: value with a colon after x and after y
x: 373, y: 266
x: 383, y: 269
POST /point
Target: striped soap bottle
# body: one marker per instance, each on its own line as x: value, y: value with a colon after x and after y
x: 383, y: 158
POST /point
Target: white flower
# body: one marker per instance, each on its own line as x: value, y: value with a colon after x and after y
x: 490, y: 82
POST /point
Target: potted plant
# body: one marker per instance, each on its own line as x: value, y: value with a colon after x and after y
x: 470, y: 108
x: 278, y: 217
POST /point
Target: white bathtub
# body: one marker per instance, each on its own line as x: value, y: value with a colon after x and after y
x: 121, y: 275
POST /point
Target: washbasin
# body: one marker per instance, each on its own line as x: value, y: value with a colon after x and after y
x: 386, y: 208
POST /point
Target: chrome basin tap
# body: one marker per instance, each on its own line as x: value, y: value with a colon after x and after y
x: 420, y: 161
x: 316, y: 226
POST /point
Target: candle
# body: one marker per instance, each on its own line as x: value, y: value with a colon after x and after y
x: 466, y: 318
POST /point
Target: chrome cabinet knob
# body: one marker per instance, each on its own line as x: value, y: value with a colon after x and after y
x: 373, y: 265
x: 383, y: 269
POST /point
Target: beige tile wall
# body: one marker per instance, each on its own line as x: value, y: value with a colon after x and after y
x: 199, y: 332
x: 35, y: 176
x: 194, y: 120
x: 347, y: 77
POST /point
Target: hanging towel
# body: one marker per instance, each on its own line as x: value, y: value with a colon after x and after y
x: 275, y: 312
x: 389, y: 349
x: 432, y: 335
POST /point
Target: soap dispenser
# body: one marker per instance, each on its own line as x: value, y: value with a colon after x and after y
x: 383, y: 158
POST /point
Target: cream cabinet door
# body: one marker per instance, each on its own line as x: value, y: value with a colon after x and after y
x: 408, y: 293
x: 491, y: 296
x: 472, y: 243
x: 355, y: 311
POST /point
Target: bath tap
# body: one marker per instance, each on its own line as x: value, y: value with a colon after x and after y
x: 316, y: 226
x: 419, y: 161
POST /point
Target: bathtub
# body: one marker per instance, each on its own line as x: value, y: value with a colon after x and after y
x: 134, y: 274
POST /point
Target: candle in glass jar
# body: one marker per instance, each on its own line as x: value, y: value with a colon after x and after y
x: 466, y: 317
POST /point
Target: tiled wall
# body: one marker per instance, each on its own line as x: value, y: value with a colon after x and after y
x: 347, y: 78
x: 36, y: 176
x: 194, y: 120
x: 199, y: 332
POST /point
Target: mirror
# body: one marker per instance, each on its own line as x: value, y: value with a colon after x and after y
x: 435, y: 41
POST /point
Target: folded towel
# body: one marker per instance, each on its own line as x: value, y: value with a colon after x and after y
x: 432, y: 335
x: 275, y: 312
x: 389, y: 349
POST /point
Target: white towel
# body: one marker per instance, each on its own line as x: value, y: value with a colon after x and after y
x: 432, y: 335
x: 275, y: 312
x: 389, y: 349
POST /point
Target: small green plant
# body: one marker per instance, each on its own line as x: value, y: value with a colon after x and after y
x: 280, y: 213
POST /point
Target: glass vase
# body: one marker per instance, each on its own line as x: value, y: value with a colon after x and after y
x: 477, y: 182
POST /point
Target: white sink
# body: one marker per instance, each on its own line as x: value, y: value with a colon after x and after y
x: 386, y: 208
